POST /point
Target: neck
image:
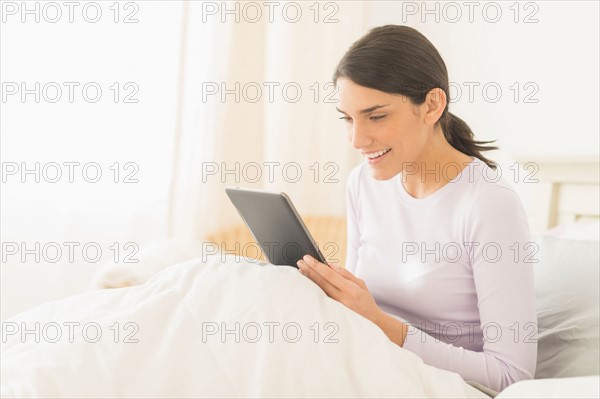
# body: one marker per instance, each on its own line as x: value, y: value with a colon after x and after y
x: 434, y: 167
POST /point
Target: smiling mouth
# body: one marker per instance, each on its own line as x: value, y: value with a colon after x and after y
x: 379, y: 154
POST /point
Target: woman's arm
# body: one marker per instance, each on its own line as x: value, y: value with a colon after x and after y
x: 352, y: 226
x: 393, y: 328
x: 505, y: 294
x: 504, y: 282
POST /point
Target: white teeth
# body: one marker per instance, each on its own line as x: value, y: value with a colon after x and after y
x: 376, y: 154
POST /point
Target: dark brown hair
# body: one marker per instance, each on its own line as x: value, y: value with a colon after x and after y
x: 399, y: 60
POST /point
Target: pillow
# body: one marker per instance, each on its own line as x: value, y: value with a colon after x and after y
x: 576, y: 387
x: 567, y: 299
x: 578, y: 230
x: 152, y: 257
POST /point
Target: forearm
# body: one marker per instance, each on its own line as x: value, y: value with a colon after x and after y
x: 393, y: 328
x: 500, y: 364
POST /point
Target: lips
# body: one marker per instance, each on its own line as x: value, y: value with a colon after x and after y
x: 377, y: 154
x: 377, y: 159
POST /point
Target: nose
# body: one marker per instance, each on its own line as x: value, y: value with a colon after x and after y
x: 359, y: 136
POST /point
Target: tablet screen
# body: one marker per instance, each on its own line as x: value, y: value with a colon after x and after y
x: 275, y: 224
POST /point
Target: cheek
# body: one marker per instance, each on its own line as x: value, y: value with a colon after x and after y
x: 398, y: 133
x: 405, y: 137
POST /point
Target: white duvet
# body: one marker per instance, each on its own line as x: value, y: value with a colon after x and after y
x: 218, y: 327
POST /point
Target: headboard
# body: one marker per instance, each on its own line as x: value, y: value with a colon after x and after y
x: 561, y: 190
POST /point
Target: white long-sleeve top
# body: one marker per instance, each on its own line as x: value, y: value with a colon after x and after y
x: 457, y: 266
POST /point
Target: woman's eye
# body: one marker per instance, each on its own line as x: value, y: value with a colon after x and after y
x: 376, y: 118
x: 346, y: 118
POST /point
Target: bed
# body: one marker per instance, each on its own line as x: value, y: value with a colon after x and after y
x: 175, y: 335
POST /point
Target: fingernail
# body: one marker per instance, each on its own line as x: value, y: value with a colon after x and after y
x: 307, y: 258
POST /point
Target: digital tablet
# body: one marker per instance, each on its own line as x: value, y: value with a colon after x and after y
x: 275, y: 225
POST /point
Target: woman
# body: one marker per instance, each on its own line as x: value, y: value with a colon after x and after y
x: 439, y: 251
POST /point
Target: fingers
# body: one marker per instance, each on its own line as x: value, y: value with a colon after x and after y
x: 325, y: 271
x: 334, y: 280
x: 346, y: 274
x: 343, y: 272
x: 311, y: 272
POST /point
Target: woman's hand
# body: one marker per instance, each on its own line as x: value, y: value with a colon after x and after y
x: 343, y: 286
x: 351, y: 291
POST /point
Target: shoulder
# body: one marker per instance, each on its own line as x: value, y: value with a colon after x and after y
x: 355, y: 174
x: 492, y: 200
x: 354, y: 178
x: 487, y: 185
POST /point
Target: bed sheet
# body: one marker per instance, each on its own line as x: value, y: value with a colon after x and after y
x: 213, y: 327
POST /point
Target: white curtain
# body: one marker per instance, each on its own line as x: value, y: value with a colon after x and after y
x: 295, y: 125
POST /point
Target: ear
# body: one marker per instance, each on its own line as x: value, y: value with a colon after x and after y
x: 434, y: 106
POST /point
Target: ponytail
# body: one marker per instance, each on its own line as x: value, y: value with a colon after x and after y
x: 459, y: 135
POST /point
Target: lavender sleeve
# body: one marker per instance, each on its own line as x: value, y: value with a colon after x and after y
x: 352, y: 228
x: 504, y: 282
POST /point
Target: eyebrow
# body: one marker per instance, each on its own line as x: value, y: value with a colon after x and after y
x: 366, y: 110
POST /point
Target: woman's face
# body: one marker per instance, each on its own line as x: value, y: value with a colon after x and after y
x: 379, y: 121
